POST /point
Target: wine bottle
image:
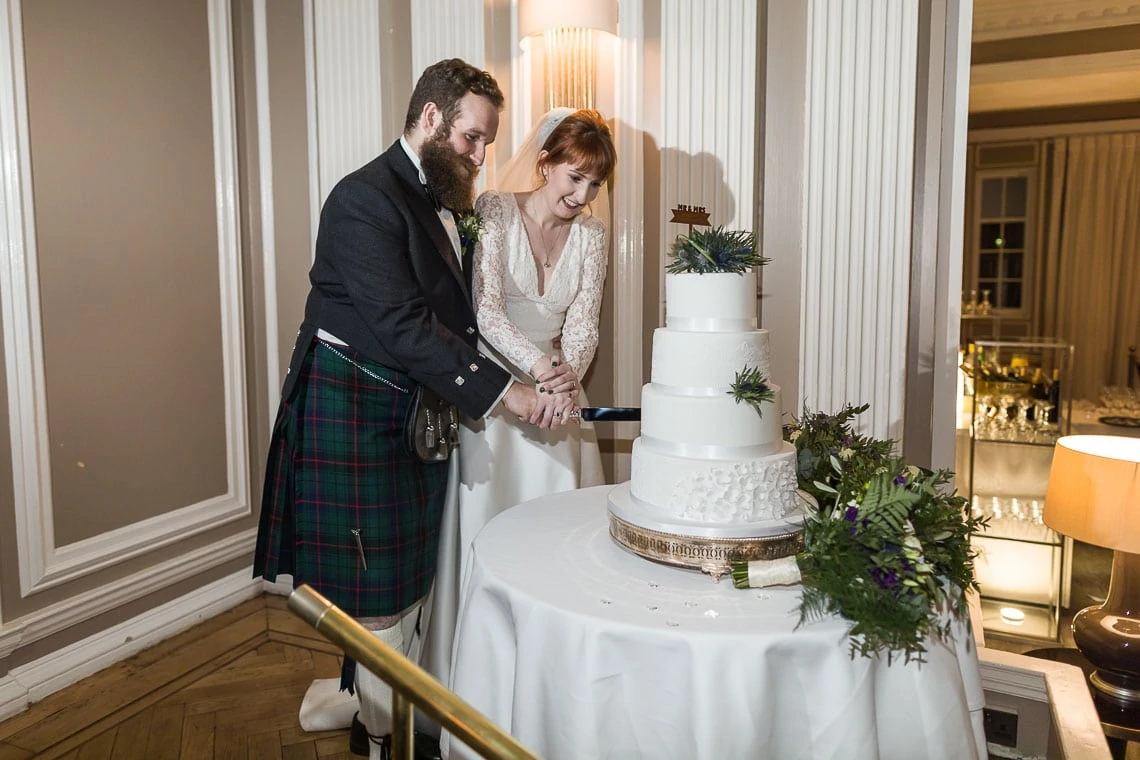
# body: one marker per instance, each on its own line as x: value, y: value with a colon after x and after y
x: 1055, y: 396
x: 1038, y: 391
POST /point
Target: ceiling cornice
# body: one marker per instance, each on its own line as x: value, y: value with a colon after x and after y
x: 1003, y: 19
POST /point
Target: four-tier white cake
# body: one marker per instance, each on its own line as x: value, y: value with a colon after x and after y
x: 707, y: 466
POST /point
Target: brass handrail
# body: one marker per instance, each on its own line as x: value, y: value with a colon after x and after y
x: 411, y: 685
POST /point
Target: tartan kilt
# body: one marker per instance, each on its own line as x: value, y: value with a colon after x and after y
x: 337, y: 464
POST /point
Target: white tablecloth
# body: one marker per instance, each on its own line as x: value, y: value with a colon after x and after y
x: 583, y: 650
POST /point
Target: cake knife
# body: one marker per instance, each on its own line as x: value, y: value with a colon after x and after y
x: 609, y: 414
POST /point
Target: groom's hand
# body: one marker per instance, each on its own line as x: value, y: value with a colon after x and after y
x: 521, y: 400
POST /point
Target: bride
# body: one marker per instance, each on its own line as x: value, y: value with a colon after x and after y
x: 537, y: 278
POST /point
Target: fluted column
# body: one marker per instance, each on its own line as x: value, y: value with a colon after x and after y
x: 859, y: 174
x: 708, y: 137
x: 447, y: 29
x: 864, y: 122
x: 627, y: 230
x: 345, y: 91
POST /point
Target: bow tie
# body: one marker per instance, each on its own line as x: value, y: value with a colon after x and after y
x: 431, y: 196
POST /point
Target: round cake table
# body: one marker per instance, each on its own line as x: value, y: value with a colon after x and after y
x: 581, y: 649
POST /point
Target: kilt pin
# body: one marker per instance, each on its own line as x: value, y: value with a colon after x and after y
x: 346, y: 507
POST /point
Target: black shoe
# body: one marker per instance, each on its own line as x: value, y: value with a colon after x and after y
x: 358, y: 737
x: 427, y: 746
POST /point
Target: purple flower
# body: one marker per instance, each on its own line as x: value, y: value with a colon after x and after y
x: 900, y: 480
x: 851, y: 513
x: 885, y: 579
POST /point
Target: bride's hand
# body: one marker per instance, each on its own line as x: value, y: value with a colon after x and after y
x: 552, y: 410
x: 543, y: 414
x: 564, y: 408
x: 555, y: 377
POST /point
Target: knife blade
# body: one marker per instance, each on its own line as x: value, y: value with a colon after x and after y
x: 610, y: 414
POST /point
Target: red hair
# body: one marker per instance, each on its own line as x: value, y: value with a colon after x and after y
x: 584, y: 141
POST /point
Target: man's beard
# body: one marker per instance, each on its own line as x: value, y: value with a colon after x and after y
x: 450, y: 176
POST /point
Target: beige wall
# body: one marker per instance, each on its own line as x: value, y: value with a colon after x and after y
x: 127, y: 248
x: 154, y: 323
x: 293, y: 249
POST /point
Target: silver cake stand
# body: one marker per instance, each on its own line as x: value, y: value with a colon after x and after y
x: 697, y: 546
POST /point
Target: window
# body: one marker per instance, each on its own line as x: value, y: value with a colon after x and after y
x: 1001, y: 248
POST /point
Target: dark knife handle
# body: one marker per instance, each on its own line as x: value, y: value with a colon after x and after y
x: 611, y: 414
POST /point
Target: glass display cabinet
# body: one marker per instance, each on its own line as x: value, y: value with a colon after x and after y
x: 1018, y: 400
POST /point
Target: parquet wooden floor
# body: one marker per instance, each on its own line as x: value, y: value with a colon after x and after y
x: 228, y: 688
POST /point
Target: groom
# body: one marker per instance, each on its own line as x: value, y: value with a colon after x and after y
x: 346, y: 508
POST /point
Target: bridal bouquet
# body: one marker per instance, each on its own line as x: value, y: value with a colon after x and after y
x: 889, y: 546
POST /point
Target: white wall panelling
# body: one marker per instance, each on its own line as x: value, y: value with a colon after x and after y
x: 708, y: 112
x: 19, y: 296
x: 345, y: 91
x: 42, y: 563
x: 265, y: 206
x: 446, y: 29
x: 859, y: 171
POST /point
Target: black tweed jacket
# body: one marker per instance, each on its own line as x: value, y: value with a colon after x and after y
x: 385, y: 280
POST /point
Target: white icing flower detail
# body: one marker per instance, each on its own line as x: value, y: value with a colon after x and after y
x: 747, y: 353
x: 742, y: 492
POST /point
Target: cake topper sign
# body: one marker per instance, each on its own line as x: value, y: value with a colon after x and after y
x: 690, y: 215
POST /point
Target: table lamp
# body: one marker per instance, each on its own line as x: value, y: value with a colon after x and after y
x: 1094, y: 496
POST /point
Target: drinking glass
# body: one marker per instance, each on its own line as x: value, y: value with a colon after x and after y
x: 984, y: 305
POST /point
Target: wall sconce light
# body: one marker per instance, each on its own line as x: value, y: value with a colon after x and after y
x: 570, y: 32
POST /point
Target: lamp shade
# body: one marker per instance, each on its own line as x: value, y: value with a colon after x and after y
x: 1094, y: 491
x: 537, y: 16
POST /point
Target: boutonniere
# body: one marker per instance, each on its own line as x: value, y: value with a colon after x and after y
x: 470, y: 226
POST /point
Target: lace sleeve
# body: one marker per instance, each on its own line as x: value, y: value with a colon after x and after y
x: 489, y: 268
x: 580, y: 331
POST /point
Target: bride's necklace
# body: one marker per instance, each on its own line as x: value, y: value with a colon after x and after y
x: 548, y: 248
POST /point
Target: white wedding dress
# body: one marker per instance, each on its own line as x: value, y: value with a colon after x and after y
x: 504, y: 461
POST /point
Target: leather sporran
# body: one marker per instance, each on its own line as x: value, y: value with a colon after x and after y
x: 431, y: 428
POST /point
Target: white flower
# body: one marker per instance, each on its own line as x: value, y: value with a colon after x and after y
x: 794, y: 436
x: 846, y: 453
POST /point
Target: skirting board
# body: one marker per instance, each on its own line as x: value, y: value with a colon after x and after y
x: 58, y: 670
